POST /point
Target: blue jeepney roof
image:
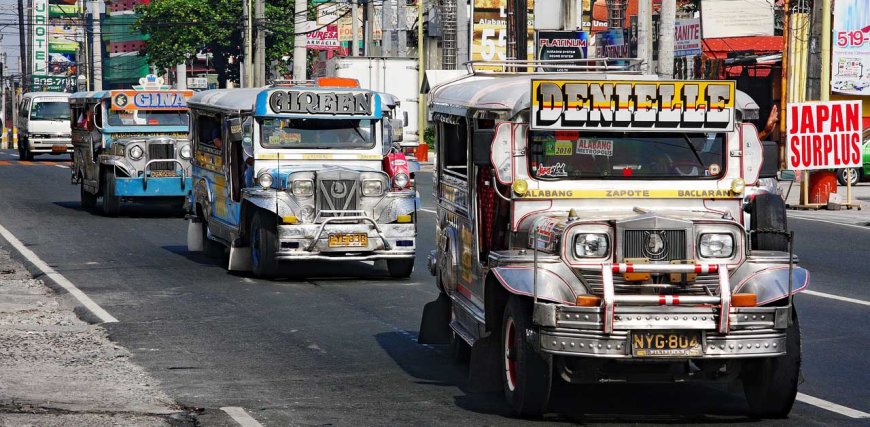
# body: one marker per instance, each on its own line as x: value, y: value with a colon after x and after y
x: 100, y: 94
x: 256, y: 100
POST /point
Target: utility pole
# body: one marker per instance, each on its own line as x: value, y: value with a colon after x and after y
x: 517, y: 29
x: 247, y: 74
x: 96, y: 49
x: 84, y: 54
x: 666, y: 38
x: 300, y: 62
x: 388, y: 28
x: 355, y: 27
x: 402, y: 25
x: 260, y: 19
x: 22, y: 45
x: 369, y: 28
x: 644, y: 35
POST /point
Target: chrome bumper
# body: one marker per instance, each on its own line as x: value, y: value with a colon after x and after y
x: 46, y: 145
x: 578, y: 331
x: 311, y: 241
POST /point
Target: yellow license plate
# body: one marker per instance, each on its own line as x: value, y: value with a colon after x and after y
x: 349, y: 240
x: 666, y: 344
x: 163, y: 174
x: 58, y: 148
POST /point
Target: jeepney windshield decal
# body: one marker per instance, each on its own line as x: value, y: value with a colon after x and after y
x: 313, y: 133
x: 558, y: 155
x: 147, y: 118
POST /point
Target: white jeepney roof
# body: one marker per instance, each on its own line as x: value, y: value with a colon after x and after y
x: 512, y: 92
x: 245, y: 99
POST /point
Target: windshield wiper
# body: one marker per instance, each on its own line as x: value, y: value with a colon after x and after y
x: 694, y: 150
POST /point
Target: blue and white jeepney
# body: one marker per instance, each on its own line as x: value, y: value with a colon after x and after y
x: 298, y: 173
x: 130, y: 145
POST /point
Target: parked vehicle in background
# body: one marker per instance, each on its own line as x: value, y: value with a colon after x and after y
x: 857, y: 175
x: 43, y: 124
x: 131, y: 145
x: 300, y: 172
x: 591, y: 229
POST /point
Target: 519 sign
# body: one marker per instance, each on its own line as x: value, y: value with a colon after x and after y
x: 852, y: 38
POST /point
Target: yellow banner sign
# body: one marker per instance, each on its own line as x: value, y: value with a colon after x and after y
x: 681, y: 106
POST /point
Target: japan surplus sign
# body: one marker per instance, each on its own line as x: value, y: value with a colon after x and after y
x: 824, y: 135
x: 850, y: 62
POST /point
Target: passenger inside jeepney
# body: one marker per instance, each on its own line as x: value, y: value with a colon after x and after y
x: 147, y: 118
x: 625, y: 155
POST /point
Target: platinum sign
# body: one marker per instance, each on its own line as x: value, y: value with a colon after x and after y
x: 39, y: 60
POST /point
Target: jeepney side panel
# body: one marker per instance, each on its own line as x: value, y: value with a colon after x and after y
x: 87, y: 143
x: 210, y: 186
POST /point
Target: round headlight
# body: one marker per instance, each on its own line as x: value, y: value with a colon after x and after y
x: 591, y: 245
x: 265, y: 180
x: 185, y: 152
x: 372, y: 187
x: 136, y: 152
x: 716, y: 245
x: 302, y: 188
x: 401, y: 180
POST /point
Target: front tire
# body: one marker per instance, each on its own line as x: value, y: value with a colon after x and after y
x: 264, y: 245
x: 23, y: 152
x: 400, y: 268
x: 527, y: 374
x: 848, y: 174
x: 88, y: 200
x: 111, y: 202
x: 768, y: 223
x: 771, y: 384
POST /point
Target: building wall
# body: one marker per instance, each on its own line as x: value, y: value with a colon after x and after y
x: 123, y: 64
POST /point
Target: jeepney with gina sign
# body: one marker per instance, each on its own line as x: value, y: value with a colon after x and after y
x: 301, y: 172
x: 603, y: 225
x: 131, y: 145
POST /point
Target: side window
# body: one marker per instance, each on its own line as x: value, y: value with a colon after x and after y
x: 453, y: 142
x: 208, y: 133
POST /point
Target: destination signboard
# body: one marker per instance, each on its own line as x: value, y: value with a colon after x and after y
x: 323, y: 102
x: 614, y: 105
x: 129, y: 100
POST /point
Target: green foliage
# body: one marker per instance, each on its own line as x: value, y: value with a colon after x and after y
x: 429, y: 137
x: 179, y: 29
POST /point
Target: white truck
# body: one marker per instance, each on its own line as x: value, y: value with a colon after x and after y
x: 396, y: 76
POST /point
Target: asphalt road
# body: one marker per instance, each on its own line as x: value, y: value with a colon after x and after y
x: 336, y: 343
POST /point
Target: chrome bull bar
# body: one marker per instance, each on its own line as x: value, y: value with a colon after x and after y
x: 326, y: 222
x: 148, y: 169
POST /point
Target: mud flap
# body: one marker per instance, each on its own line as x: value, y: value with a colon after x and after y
x: 240, y: 258
x: 484, y: 372
x: 435, y: 325
x: 194, y: 236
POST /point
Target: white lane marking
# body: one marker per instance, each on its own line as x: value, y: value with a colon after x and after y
x: 836, y: 297
x: 427, y: 210
x: 49, y: 272
x: 240, y: 416
x: 63, y: 166
x: 860, y: 227
x: 830, y: 406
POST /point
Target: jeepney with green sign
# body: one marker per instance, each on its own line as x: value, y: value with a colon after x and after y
x: 606, y: 226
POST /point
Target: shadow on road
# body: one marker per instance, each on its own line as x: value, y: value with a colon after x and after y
x: 132, y: 210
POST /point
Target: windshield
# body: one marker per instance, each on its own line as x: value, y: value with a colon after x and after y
x: 50, y: 111
x: 147, y: 118
x: 621, y: 155
x: 317, y: 133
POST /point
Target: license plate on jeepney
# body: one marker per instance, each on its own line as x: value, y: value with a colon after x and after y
x: 348, y: 240
x: 163, y: 174
x: 58, y: 148
x: 666, y: 344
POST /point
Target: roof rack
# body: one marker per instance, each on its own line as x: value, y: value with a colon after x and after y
x: 290, y: 82
x: 512, y: 66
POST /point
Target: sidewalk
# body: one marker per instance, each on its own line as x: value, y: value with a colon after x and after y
x: 860, y: 195
x: 56, y: 370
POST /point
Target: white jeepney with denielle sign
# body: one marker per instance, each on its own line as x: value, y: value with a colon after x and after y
x: 301, y: 172
x: 605, y: 226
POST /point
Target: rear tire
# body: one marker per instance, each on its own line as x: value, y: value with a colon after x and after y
x: 264, y: 245
x: 771, y: 384
x: 89, y: 201
x: 400, y: 268
x: 527, y: 374
x: 768, y: 214
x: 844, y: 175
x: 111, y: 202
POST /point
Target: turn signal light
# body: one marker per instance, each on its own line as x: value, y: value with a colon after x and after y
x: 337, y: 82
x: 744, y: 300
x: 588, y: 301
x: 403, y: 218
x: 520, y: 187
x: 290, y: 219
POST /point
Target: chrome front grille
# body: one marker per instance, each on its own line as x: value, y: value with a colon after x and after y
x: 337, y: 195
x: 655, y: 245
x: 704, y: 284
x: 161, y: 151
